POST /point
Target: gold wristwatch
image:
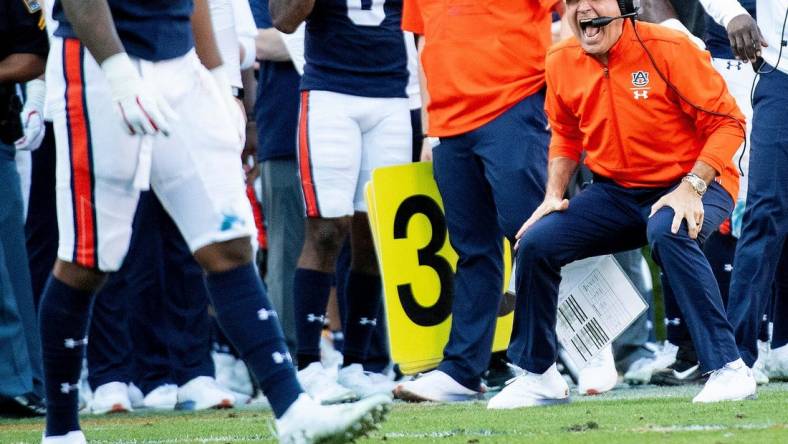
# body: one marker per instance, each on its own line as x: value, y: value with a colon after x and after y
x: 696, y: 182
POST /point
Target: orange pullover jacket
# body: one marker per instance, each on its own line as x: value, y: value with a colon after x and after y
x: 634, y: 129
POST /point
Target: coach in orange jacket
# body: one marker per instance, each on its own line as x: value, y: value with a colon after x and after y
x: 663, y: 176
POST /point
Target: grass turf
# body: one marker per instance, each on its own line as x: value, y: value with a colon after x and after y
x: 640, y: 415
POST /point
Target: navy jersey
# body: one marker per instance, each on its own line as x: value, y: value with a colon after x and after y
x: 356, y: 47
x: 276, y: 107
x: 21, y: 29
x: 717, y: 40
x: 149, y: 29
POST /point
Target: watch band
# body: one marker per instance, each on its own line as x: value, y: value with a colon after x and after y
x: 696, y: 182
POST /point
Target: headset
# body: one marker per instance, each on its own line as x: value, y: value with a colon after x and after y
x: 629, y: 10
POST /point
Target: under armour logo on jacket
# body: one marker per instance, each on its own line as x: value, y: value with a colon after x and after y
x: 367, y: 321
x: 74, y: 343
x: 731, y: 64
x: 279, y: 358
x: 66, y: 387
x: 264, y: 314
x: 311, y: 317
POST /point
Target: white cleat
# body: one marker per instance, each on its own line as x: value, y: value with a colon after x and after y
x: 203, y: 393
x: 778, y: 363
x: 307, y: 422
x: 232, y: 373
x: 321, y: 384
x: 600, y: 375
x: 75, y: 437
x: 532, y: 390
x: 641, y: 370
x: 435, y: 386
x: 112, y: 397
x: 363, y: 383
x: 163, y: 397
x: 733, y: 382
x: 759, y: 368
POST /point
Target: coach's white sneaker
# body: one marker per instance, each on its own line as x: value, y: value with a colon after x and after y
x: 641, y: 370
x: 759, y: 369
x: 321, y: 384
x: 600, y: 375
x: 778, y: 363
x: 307, y: 422
x: 364, y: 383
x: 112, y: 397
x: 733, y: 382
x: 75, y: 437
x: 203, y: 393
x: 531, y: 390
x: 435, y: 386
x: 163, y: 397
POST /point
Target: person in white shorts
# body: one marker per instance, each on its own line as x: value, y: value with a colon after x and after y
x: 180, y: 136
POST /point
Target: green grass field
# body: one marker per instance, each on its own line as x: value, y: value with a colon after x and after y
x: 627, y: 415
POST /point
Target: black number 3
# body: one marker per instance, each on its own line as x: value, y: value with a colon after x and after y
x: 428, y: 257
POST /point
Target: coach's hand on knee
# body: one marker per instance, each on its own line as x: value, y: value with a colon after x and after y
x: 549, y: 205
x: 687, y: 205
x: 143, y: 111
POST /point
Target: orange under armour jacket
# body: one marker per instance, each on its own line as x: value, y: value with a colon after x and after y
x: 633, y: 128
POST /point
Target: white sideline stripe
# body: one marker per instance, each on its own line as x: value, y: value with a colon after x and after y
x: 209, y: 439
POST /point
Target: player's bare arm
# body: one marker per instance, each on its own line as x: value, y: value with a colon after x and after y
x: 20, y: 67
x: 559, y: 171
x: 204, y: 41
x: 288, y: 14
x: 92, y: 22
x: 656, y: 11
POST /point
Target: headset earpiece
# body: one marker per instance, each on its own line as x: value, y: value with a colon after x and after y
x: 628, y: 6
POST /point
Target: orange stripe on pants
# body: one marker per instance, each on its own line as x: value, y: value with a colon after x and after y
x: 79, y: 146
x: 304, y: 165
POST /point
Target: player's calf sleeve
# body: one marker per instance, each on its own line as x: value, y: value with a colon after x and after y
x: 311, y: 290
x: 250, y: 323
x: 63, y: 319
x: 363, y: 302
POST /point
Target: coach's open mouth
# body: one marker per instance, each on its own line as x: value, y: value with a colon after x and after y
x: 588, y: 31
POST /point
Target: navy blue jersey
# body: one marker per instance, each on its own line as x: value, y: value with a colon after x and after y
x: 149, y: 29
x: 356, y: 47
x: 717, y: 37
x: 276, y: 107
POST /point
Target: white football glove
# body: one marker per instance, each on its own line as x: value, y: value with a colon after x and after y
x: 235, y: 110
x: 32, y: 121
x: 143, y: 111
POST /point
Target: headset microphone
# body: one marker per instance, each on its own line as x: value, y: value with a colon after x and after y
x: 599, y: 22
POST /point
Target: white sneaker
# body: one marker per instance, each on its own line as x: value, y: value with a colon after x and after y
x: 778, y: 363
x: 531, y: 390
x: 435, y: 386
x: 136, y: 397
x: 599, y: 375
x: 232, y: 374
x: 203, y: 393
x: 321, y: 384
x: 733, y: 382
x: 759, y: 370
x: 306, y: 421
x: 641, y: 370
x: 112, y: 397
x: 364, y: 383
x: 163, y: 397
x: 75, y: 437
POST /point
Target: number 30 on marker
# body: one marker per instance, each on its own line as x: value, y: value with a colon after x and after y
x: 417, y: 265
